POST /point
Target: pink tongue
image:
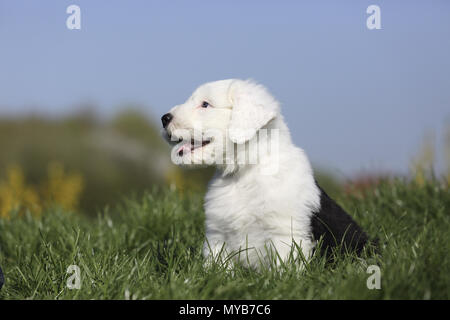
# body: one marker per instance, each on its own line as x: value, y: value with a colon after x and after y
x: 184, y: 147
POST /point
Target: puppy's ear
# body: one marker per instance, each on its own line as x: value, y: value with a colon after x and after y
x: 253, y: 108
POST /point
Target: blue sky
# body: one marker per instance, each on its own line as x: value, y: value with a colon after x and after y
x: 356, y: 100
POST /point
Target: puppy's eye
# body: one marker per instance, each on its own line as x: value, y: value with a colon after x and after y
x: 205, y: 104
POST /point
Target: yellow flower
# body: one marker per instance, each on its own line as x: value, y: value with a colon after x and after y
x: 58, y: 189
x: 62, y: 189
x: 15, y: 195
x: 423, y: 163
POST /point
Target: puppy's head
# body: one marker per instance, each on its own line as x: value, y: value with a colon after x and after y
x: 218, y: 115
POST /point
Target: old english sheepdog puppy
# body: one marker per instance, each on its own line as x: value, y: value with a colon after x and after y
x: 263, y: 204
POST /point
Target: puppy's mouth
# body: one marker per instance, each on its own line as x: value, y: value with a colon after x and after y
x: 192, y: 145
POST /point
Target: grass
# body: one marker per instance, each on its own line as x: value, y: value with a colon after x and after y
x: 150, y: 248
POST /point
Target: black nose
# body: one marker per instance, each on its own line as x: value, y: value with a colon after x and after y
x: 165, y: 119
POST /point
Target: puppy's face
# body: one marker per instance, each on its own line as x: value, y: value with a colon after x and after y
x: 217, y: 115
x: 200, y: 124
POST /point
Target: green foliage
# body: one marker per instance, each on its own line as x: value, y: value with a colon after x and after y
x: 150, y: 248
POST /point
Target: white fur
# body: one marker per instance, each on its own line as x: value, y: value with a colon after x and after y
x: 247, y: 207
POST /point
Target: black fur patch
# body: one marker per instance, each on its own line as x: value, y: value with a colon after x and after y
x: 336, y: 227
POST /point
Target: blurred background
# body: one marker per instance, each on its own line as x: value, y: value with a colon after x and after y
x: 80, y: 109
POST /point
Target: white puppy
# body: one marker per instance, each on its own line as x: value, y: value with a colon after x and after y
x: 264, y: 200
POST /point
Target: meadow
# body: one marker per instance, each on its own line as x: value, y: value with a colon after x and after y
x: 104, y: 196
x: 149, y: 247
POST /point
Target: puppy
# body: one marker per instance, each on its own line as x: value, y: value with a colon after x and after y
x: 263, y: 201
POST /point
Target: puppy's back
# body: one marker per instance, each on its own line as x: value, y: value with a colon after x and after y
x: 336, y: 227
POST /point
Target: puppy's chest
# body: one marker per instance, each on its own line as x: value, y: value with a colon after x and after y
x: 239, y: 206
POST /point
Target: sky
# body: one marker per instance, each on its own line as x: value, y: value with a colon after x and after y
x: 356, y: 100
